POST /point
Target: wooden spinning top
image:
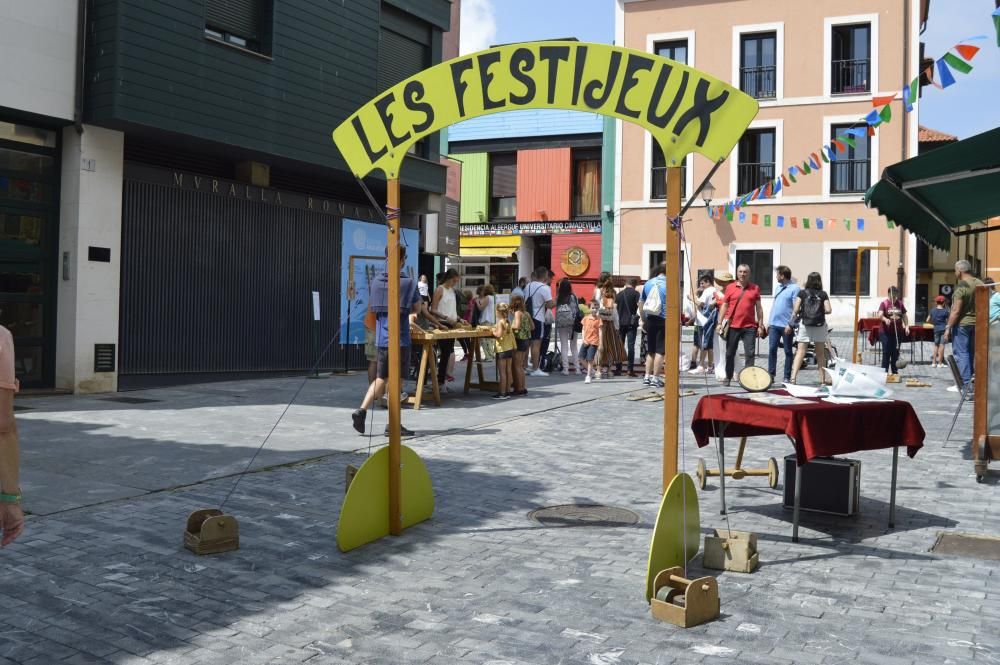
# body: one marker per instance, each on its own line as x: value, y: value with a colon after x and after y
x: 209, y: 531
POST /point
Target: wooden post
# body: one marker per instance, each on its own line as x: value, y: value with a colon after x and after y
x: 395, y: 384
x: 857, y: 295
x: 672, y: 330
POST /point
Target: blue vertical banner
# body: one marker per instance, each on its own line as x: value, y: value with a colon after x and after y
x: 362, y: 259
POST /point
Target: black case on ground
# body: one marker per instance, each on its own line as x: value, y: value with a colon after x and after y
x: 829, y: 485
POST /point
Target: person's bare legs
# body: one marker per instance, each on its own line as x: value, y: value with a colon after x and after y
x: 821, y: 363
x: 11, y: 515
x: 800, y: 355
x: 375, y: 391
x: 536, y: 349
x: 372, y: 365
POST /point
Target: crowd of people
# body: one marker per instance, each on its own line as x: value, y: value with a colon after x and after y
x: 536, y: 328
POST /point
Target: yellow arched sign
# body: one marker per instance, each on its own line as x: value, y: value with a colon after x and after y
x: 685, y: 110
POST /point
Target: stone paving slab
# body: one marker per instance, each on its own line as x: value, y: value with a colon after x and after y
x: 479, y: 582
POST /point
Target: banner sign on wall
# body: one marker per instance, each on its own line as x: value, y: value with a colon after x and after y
x: 362, y: 259
x: 528, y: 228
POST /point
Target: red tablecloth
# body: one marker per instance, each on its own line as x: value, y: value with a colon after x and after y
x: 921, y: 334
x: 819, y: 429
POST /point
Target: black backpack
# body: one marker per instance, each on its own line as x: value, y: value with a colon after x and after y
x: 551, y: 362
x: 812, y: 308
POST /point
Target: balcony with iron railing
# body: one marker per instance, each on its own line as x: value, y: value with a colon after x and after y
x: 850, y: 176
x: 759, y: 82
x: 658, y: 185
x: 850, y: 77
x: 751, y: 175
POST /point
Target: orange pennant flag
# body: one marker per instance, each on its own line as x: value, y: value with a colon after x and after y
x: 871, y: 131
x: 882, y: 101
x: 967, y: 51
x: 753, y: 219
x: 840, y: 146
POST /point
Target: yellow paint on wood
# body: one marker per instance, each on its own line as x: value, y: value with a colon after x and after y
x: 678, y: 524
x: 364, y: 516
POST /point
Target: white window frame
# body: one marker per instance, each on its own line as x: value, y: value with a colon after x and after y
x: 647, y: 157
x: 778, y: 125
x: 873, y: 169
x: 828, y: 24
x: 779, y: 54
x: 873, y: 294
x: 775, y: 248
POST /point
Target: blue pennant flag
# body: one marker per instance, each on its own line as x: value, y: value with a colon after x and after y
x: 743, y: 218
x: 781, y: 221
x: 861, y: 225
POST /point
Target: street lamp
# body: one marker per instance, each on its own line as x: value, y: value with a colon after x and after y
x: 707, y: 193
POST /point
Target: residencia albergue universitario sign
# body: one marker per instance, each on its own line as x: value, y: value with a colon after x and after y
x: 685, y: 110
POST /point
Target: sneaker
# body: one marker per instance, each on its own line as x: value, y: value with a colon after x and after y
x: 565, y: 372
x: 587, y: 379
x: 953, y: 389
x: 505, y: 396
x: 402, y: 431
x: 597, y: 376
x: 697, y: 370
x: 497, y: 396
x: 538, y: 372
x: 657, y: 383
x: 444, y: 388
x: 358, y: 420
x: 403, y: 396
x: 647, y: 380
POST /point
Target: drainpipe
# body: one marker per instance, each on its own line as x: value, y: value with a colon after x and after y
x: 81, y: 56
x: 900, y: 273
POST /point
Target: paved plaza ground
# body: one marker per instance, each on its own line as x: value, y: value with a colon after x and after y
x: 100, y: 574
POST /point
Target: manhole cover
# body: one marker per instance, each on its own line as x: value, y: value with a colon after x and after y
x: 962, y: 544
x: 592, y: 515
x: 130, y: 400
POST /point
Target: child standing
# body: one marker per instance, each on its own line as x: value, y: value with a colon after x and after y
x: 591, y: 339
x: 939, y: 317
x: 505, y: 344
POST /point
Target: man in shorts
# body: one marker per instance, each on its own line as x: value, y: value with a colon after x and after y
x: 655, y: 326
x: 378, y: 302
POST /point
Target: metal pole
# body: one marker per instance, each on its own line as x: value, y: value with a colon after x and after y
x: 672, y: 330
x: 392, y: 245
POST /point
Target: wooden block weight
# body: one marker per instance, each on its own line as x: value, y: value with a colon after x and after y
x: 684, y: 602
x: 209, y: 531
x: 731, y: 550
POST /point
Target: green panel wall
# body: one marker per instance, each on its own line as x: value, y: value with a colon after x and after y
x: 608, y: 195
x: 475, y: 184
x: 149, y: 64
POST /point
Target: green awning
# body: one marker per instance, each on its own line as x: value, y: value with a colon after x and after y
x: 935, y: 194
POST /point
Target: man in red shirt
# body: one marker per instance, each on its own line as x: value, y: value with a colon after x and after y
x: 742, y: 309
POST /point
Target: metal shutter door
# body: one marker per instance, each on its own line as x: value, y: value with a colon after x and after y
x: 503, y: 175
x: 399, y: 58
x: 237, y: 17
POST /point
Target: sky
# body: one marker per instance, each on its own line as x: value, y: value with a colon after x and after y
x: 967, y: 108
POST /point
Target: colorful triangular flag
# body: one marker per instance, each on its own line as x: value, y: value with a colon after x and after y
x: 777, y: 186
x: 767, y: 220
x: 819, y: 224
x: 743, y: 218
x: 996, y: 23
x: 861, y: 224
x: 781, y: 221
x: 872, y: 118
x: 754, y: 219
x: 847, y: 224
x: 886, y: 114
x: 784, y: 180
x: 794, y: 222
x: 849, y: 140
x: 967, y: 51
x: 805, y: 222
x: 957, y: 63
x: 883, y: 100
x: 891, y: 224
x: 945, y: 74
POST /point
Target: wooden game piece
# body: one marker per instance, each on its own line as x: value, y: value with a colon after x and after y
x: 684, y: 602
x: 678, y: 524
x: 209, y: 531
x: 731, y: 550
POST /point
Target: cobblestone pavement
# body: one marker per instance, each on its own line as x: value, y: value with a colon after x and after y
x: 103, y: 578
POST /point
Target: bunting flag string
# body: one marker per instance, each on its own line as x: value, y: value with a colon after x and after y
x: 956, y: 59
x: 783, y: 222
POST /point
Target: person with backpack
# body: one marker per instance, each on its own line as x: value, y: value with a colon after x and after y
x: 653, y: 313
x: 521, y: 324
x: 811, y: 306
x: 894, y: 328
x: 567, y: 313
x: 537, y: 300
x: 627, y: 303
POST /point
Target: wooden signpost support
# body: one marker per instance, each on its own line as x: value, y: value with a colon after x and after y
x: 672, y: 329
x: 395, y: 384
x: 857, y: 296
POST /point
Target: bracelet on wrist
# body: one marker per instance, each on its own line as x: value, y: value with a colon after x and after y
x: 10, y: 498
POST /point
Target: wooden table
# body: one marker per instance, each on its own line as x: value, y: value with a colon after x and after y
x: 426, y: 339
x: 815, y: 428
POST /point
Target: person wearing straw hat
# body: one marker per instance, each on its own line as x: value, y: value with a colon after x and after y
x: 723, y: 279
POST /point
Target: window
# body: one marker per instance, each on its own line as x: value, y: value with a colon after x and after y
x: 658, y: 256
x: 756, y: 159
x: 658, y: 174
x: 758, y: 65
x: 851, y: 59
x: 850, y: 173
x: 242, y: 23
x: 761, y: 262
x: 923, y: 255
x: 674, y: 50
x: 843, y: 264
x: 587, y: 183
x: 503, y: 185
